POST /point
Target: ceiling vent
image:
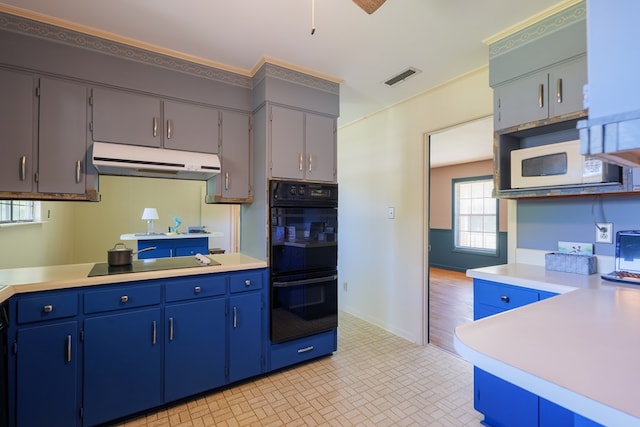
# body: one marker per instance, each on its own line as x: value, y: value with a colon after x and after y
x: 404, y: 75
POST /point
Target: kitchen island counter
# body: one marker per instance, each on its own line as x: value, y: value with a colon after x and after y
x: 34, y: 279
x: 579, y: 349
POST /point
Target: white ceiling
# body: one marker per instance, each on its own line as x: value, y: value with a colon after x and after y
x: 442, y: 38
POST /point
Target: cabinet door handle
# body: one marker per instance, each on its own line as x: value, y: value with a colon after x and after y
x: 300, y: 160
x: 559, y: 91
x: 124, y: 298
x: 504, y: 298
x: 78, y: 170
x: 310, y: 160
x: 541, y: 95
x: 226, y: 180
x: 23, y: 168
x: 169, y: 130
x: 305, y: 349
x: 247, y: 282
x: 154, y: 333
x: 155, y: 127
x: 171, y: 329
x: 235, y: 317
x: 197, y: 289
x: 68, y: 349
x: 47, y: 308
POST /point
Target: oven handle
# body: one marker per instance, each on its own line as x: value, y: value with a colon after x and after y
x: 304, y: 281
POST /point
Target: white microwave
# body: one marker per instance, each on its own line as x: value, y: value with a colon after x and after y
x: 558, y: 164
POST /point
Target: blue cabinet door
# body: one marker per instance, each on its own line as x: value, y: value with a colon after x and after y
x: 195, y: 349
x: 502, y: 403
x: 552, y: 415
x: 122, y: 364
x: 47, y: 363
x: 245, y: 336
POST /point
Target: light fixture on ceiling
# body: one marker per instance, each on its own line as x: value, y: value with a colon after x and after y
x: 402, y: 76
x: 369, y: 6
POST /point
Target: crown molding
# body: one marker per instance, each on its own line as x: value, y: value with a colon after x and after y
x: 537, y: 19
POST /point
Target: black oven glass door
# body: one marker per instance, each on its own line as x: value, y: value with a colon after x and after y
x: 303, y: 239
x: 303, y: 306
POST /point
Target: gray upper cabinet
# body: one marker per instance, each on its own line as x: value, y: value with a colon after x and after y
x: 303, y: 145
x: 190, y: 127
x: 612, y: 131
x: 287, y: 143
x: 16, y: 131
x: 320, y: 141
x: 62, y: 142
x: 235, y: 177
x: 126, y: 118
x: 44, y: 139
x: 130, y: 118
x: 541, y: 95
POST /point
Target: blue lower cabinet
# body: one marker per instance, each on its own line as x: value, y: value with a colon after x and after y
x: 194, y: 347
x: 245, y: 336
x: 47, y: 368
x: 552, y: 415
x: 122, y: 364
x: 502, y: 403
x: 165, y: 248
x: 303, y: 349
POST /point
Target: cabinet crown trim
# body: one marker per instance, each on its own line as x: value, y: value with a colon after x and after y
x: 124, y: 49
x: 571, y: 15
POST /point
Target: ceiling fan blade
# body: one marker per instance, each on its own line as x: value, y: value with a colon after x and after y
x: 369, y: 6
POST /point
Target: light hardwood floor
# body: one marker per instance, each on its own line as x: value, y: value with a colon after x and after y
x: 450, y: 305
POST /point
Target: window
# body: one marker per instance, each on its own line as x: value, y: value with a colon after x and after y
x: 18, y: 211
x: 475, y: 214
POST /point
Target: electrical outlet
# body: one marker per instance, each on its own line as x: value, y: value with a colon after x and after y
x: 604, y: 232
x: 345, y: 286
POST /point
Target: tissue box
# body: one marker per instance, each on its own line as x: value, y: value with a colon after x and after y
x: 570, y: 263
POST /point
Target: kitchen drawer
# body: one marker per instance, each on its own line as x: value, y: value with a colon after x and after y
x: 245, y: 281
x: 194, y: 287
x: 47, y: 307
x: 498, y: 295
x: 123, y: 297
x: 302, y: 349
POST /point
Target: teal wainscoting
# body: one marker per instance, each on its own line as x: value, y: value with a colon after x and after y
x: 444, y: 255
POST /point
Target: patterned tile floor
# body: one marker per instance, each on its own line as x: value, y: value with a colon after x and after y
x: 374, y: 379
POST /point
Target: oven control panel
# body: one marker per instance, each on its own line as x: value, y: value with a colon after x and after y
x: 303, y: 192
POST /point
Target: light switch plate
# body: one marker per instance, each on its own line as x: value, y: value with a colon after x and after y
x: 391, y: 212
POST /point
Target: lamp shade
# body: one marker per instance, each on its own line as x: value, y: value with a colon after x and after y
x: 150, y: 214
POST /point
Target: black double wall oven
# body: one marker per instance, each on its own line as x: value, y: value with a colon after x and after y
x: 303, y: 258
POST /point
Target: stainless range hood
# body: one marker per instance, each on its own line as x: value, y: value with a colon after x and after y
x: 133, y: 160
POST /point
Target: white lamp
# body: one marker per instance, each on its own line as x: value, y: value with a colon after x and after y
x: 149, y: 215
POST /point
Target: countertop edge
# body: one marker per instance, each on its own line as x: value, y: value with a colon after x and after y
x: 77, y: 275
x: 571, y: 400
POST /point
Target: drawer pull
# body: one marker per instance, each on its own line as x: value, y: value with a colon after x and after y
x: 197, y: 289
x: 305, y: 349
x: 154, y: 332
x: 124, y: 298
x: 504, y: 298
x: 47, y: 308
x: 247, y: 282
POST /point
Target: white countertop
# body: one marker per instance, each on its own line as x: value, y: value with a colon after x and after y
x: 580, y: 349
x: 161, y: 236
x: 32, y: 279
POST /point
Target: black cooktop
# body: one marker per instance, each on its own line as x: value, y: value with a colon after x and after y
x: 151, y: 264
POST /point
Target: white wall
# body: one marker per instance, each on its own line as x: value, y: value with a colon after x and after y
x: 382, y: 162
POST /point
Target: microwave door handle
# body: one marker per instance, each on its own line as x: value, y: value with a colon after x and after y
x: 304, y: 281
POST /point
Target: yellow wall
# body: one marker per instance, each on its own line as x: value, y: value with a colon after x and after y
x: 381, y: 163
x: 78, y: 232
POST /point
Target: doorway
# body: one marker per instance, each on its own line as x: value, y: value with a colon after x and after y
x: 460, y: 152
